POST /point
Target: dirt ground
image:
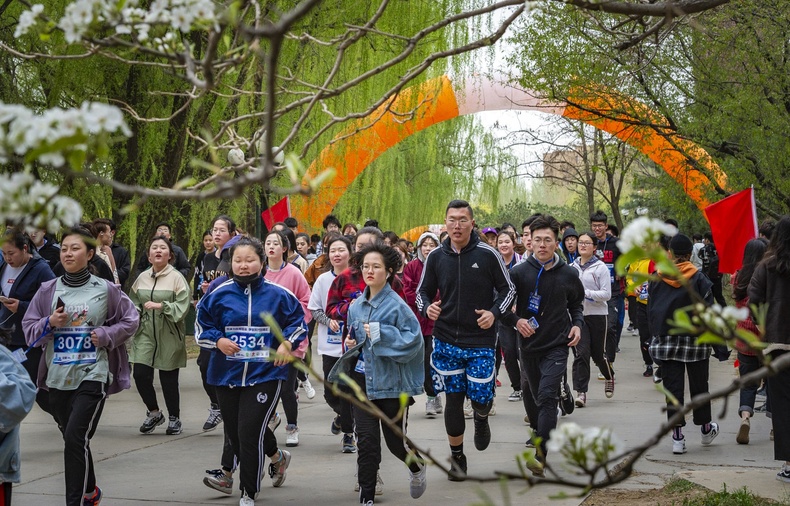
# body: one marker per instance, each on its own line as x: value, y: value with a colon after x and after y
x: 655, y: 497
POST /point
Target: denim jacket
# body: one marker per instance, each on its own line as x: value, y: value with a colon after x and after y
x: 394, y: 352
x: 17, y: 393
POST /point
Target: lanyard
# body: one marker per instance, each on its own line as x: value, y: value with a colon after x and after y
x: 542, y: 267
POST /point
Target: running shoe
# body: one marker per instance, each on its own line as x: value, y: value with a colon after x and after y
x: 783, y: 475
x: 275, y: 421
x: 468, y: 412
x: 219, y: 480
x: 418, y: 482
x: 214, y: 418
x: 601, y: 376
x: 277, y: 469
x: 151, y: 422
x: 457, y: 468
x: 492, y: 411
x: 173, y: 426
x: 679, y: 446
x: 246, y: 500
x: 437, y: 403
x: 498, y: 383
x: 515, y: 396
x: 335, y: 427
x: 608, y: 388
x: 95, y: 498
x: 349, y: 445
x: 536, y: 468
x: 581, y: 399
x: 430, y: 407
x: 291, y: 435
x: 648, y: 371
x: 743, y: 432
x: 657, y: 375
x: 379, y: 484
x: 707, y: 438
x: 482, y: 432
x: 308, y: 389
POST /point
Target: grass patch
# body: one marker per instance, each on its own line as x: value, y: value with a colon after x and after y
x: 679, y: 485
x: 740, y: 497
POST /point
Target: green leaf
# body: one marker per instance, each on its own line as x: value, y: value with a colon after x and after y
x: 710, y: 338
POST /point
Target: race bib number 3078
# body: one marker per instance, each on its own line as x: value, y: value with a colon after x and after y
x: 72, y: 345
x: 255, y: 343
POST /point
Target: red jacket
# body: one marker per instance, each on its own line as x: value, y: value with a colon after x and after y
x: 411, y: 281
x: 346, y: 287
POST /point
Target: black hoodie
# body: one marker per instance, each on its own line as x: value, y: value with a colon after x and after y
x: 561, y: 304
x: 475, y: 278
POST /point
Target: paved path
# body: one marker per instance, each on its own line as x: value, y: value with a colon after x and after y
x: 135, y: 469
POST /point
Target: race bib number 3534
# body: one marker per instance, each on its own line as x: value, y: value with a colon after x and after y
x: 255, y: 343
x: 72, y: 345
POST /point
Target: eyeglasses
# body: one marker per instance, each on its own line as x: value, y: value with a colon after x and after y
x: 462, y: 222
x: 599, y: 225
x: 542, y: 240
x: 585, y: 243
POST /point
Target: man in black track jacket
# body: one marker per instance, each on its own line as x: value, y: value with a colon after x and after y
x: 550, y: 291
x: 475, y: 291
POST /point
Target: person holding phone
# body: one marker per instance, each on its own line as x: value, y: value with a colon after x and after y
x: 82, y: 323
x: 21, y: 277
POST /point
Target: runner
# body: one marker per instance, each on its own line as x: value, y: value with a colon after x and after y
x: 230, y: 324
x: 475, y: 290
x: 82, y: 322
x: 161, y: 295
x: 386, y: 355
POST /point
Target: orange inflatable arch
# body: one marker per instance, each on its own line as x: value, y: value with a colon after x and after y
x: 420, y: 106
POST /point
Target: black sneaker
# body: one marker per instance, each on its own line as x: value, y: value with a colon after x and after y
x: 482, y: 432
x: 173, y: 426
x: 151, y: 422
x: 335, y: 427
x: 457, y: 468
x: 648, y: 371
x: 214, y: 418
x: 657, y: 378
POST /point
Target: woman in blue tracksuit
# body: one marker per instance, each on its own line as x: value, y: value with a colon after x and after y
x: 245, y: 369
x: 386, y: 355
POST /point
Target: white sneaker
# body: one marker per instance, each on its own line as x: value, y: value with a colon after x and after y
x: 710, y: 436
x: 308, y: 389
x: 379, y: 484
x: 430, y: 407
x: 601, y: 376
x: 492, y: 412
x: 246, y: 501
x: 291, y: 435
x: 679, y: 446
x: 437, y: 404
x: 468, y: 412
x: 418, y: 482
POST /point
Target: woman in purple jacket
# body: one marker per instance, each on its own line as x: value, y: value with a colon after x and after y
x: 81, y: 322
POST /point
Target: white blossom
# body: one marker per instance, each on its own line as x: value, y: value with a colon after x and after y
x: 27, y: 20
x: 35, y: 204
x: 236, y: 156
x: 583, y: 446
x: 644, y: 230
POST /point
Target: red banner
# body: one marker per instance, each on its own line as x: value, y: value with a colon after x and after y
x: 277, y: 212
x: 733, y: 223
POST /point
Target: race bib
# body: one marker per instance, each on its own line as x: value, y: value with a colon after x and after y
x: 255, y: 343
x: 611, y: 272
x: 335, y: 337
x: 72, y: 345
x: 534, y: 302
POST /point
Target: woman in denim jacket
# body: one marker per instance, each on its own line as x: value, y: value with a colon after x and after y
x: 386, y: 355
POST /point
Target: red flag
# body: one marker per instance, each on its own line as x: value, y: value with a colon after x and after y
x: 277, y: 212
x: 733, y: 223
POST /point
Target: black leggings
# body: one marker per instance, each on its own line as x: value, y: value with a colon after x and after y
x: 202, y: 362
x: 369, y: 443
x: 5, y: 494
x: 428, y: 385
x: 591, y: 345
x: 454, y: 420
x: 245, y: 413
x: 509, y: 339
x: 288, y: 396
x: 144, y: 381
x: 341, y: 407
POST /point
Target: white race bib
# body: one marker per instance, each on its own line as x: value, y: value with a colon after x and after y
x: 255, y: 343
x: 72, y: 345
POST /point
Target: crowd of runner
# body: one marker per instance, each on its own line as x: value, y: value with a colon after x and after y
x: 438, y: 316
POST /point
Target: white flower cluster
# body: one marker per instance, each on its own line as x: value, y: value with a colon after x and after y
x: 644, y: 230
x: 33, y: 204
x: 56, y: 132
x: 583, y: 447
x: 722, y: 320
x: 81, y: 16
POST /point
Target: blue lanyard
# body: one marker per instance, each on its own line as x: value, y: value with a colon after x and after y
x: 542, y: 267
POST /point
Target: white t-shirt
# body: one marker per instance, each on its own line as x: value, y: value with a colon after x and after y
x: 9, y: 276
x: 328, y: 343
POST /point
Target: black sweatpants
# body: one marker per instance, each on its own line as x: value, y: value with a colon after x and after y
x: 245, y: 413
x: 369, y: 429
x: 778, y: 391
x: 544, y: 374
x: 509, y: 339
x: 77, y: 413
x: 673, y: 373
x: 428, y: 384
x: 644, y: 332
x: 289, y: 398
x: 592, y: 344
x: 341, y: 407
x: 612, y: 333
x: 144, y: 381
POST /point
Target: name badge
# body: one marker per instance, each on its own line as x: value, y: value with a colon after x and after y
x: 255, y: 343
x: 611, y: 273
x: 360, y: 367
x: 534, y: 302
x: 644, y: 293
x: 335, y: 337
x: 72, y: 345
x: 19, y: 355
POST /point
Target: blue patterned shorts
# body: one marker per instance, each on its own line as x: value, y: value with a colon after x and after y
x: 463, y: 370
